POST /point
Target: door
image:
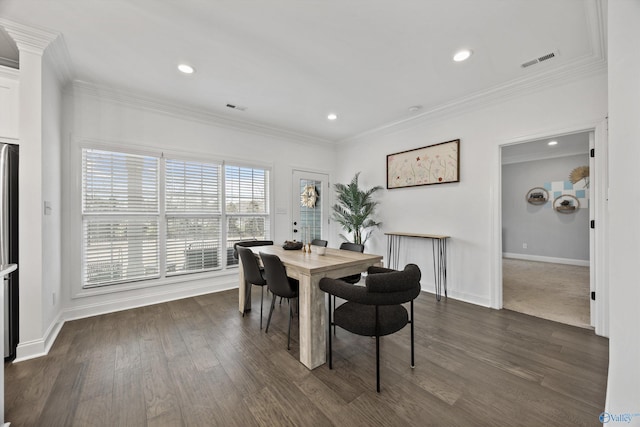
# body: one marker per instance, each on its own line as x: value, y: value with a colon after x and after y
x: 310, y: 197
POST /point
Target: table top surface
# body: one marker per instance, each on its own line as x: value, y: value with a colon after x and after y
x: 314, y: 263
x: 424, y: 236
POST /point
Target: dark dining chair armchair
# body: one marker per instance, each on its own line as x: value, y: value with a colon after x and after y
x: 253, y: 275
x: 319, y: 242
x: 280, y: 286
x: 354, y: 278
x: 248, y: 244
x: 354, y: 247
x: 376, y: 309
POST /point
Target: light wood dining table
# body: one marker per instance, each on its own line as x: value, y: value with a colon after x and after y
x: 308, y: 269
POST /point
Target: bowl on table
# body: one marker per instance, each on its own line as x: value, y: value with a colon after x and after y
x: 320, y: 250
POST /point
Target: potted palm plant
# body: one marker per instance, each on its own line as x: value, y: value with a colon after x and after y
x: 354, y: 210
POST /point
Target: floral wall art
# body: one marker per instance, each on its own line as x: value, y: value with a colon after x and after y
x: 434, y: 164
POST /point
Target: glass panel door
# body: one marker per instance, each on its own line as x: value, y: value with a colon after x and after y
x: 310, y: 205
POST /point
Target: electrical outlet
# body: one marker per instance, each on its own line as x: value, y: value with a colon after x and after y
x: 53, y: 298
x: 524, y: 246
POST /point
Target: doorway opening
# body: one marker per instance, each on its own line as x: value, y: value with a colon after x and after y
x: 547, y: 241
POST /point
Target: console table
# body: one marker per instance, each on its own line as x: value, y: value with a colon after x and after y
x: 439, y: 247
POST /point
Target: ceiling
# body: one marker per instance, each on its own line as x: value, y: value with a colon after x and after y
x: 292, y: 62
x: 567, y: 145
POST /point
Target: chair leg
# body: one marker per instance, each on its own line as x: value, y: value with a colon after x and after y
x: 377, y: 363
x: 329, y: 335
x: 289, y: 330
x: 273, y: 303
x: 377, y: 353
x: 261, y: 301
x: 413, y: 362
x: 244, y: 310
x: 334, y: 325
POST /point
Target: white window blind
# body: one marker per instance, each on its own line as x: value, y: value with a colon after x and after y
x: 117, y: 182
x: 193, y: 214
x: 120, y: 217
x: 146, y: 217
x: 192, y: 187
x: 246, y: 204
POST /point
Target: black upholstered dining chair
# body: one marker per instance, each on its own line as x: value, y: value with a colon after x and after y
x: 354, y: 278
x: 248, y: 244
x: 376, y: 309
x: 354, y: 247
x: 319, y: 242
x: 253, y: 274
x: 280, y: 286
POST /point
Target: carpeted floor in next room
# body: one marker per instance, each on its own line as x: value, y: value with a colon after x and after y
x: 555, y: 292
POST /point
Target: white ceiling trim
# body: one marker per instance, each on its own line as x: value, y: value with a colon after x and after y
x: 188, y: 113
x: 29, y: 38
x: 58, y: 53
x: 10, y: 73
x: 496, y: 95
x: 535, y: 157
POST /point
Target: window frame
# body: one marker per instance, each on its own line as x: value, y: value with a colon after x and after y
x: 74, y: 223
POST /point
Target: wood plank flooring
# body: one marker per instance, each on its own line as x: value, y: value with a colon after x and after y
x: 198, y: 362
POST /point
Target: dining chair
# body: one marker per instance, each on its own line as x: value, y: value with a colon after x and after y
x: 253, y: 275
x: 280, y: 286
x: 376, y: 309
x: 354, y: 278
x: 248, y: 244
x: 319, y: 242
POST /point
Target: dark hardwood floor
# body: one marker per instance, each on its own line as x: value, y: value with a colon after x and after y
x: 198, y: 362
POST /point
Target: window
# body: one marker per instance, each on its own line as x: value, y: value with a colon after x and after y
x: 192, y: 194
x: 146, y: 217
x: 246, y: 205
x: 119, y: 217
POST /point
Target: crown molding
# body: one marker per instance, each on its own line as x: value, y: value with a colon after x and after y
x: 487, y: 98
x: 28, y: 38
x: 6, y: 62
x: 183, y: 112
x: 592, y: 63
x: 41, y: 41
x: 58, y: 53
x: 534, y: 157
x: 10, y: 73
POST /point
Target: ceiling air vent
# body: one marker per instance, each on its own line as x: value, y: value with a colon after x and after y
x: 236, y: 107
x: 542, y: 58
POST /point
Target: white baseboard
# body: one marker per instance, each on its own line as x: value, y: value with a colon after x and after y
x: 459, y: 296
x: 538, y: 258
x: 40, y: 347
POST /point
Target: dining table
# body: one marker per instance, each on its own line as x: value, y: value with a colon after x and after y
x: 308, y: 269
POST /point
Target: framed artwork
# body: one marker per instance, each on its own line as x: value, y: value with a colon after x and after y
x: 434, y: 164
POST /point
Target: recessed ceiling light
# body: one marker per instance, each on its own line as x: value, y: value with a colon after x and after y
x: 187, y: 69
x: 332, y: 116
x: 461, y: 55
x: 415, y: 108
x: 552, y: 143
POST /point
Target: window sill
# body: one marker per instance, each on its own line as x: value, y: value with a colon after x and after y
x: 153, y: 283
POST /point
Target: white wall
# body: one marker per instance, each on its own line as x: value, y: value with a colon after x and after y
x: 51, y: 193
x: 623, y: 391
x: 467, y: 210
x: 95, y: 116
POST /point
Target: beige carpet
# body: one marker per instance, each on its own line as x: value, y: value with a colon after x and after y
x: 556, y: 292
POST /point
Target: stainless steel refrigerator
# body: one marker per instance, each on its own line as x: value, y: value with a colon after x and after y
x: 9, y: 243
